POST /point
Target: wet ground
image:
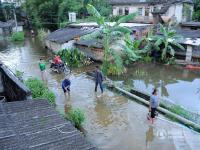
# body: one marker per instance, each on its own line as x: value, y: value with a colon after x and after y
x: 113, y: 121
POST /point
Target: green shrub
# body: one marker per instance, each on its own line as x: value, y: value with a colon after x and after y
x: 42, y: 34
x: 19, y: 74
x: 147, y: 59
x: 76, y: 116
x: 180, y: 111
x: 17, y: 36
x: 39, y: 90
x: 73, y: 58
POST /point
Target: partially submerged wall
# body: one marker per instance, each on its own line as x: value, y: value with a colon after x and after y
x: 13, y: 89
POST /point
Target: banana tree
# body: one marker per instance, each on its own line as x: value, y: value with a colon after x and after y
x: 111, y: 60
x: 167, y: 41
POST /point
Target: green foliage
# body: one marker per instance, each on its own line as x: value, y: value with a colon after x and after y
x: 112, y: 61
x: 19, y: 74
x: 17, y: 36
x: 50, y: 13
x: 76, y: 116
x: 180, y: 111
x: 115, y: 18
x: 147, y: 59
x: 166, y: 42
x: 73, y: 57
x: 68, y: 6
x: 39, y: 90
x: 42, y: 34
x: 196, y: 13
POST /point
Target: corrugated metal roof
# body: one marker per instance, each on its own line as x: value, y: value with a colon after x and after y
x: 35, y: 125
x: 66, y: 34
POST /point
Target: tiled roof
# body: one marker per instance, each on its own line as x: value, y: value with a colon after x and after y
x: 35, y: 125
x: 115, y: 2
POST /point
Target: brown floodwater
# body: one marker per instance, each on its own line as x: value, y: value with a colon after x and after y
x: 174, y: 83
x: 113, y: 122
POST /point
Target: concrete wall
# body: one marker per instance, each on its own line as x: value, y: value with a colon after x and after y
x: 55, y: 47
x: 175, y: 10
x: 1, y: 31
x: 19, y: 29
x: 92, y: 53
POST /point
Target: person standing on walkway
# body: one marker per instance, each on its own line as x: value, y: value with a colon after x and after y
x: 66, y: 83
x: 154, y: 103
x: 42, y: 67
x: 98, y: 79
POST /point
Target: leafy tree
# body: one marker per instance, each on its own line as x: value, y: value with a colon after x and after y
x: 67, y: 6
x: 167, y: 41
x: 196, y: 13
x: 112, y: 60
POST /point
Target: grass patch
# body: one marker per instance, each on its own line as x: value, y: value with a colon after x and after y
x: 17, y: 36
x: 39, y: 90
x: 180, y: 111
x: 76, y: 116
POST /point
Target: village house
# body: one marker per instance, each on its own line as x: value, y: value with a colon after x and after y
x: 178, y: 10
x: 10, y: 26
x: 65, y: 38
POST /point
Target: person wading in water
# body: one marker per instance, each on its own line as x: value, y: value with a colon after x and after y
x: 98, y: 79
x: 154, y: 103
x: 42, y: 67
x: 66, y: 83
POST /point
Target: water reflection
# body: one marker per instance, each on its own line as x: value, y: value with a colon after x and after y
x: 103, y: 113
x: 174, y: 83
x: 149, y: 137
x: 113, y: 122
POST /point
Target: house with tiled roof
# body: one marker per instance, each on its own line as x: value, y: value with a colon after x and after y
x: 178, y: 10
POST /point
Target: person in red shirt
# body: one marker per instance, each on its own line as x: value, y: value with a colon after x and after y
x: 57, y: 60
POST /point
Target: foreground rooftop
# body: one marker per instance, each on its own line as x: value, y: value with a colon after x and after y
x: 36, y: 125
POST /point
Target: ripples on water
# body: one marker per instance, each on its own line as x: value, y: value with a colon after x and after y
x: 113, y: 121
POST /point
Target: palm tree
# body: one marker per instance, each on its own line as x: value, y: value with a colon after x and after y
x: 112, y: 61
x: 167, y: 41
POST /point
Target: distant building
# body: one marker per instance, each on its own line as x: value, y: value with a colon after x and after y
x: 7, y: 27
x: 17, y: 3
x: 179, y: 10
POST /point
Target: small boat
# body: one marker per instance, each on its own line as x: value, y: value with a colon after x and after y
x: 192, y: 67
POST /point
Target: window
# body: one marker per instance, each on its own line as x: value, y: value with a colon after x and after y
x: 126, y: 11
x: 147, y: 11
x: 139, y: 11
x: 120, y: 12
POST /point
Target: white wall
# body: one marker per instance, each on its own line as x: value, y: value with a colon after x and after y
x: 55, y: 47
x: 1, y: 31
x: 132, y: 9
x: 68, y: 45
x: 175, y: 10
x: 19, y: 29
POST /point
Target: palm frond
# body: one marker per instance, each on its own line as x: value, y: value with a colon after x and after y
x: 171, y: 50
x: 158, y: 42
x: 174, y: 43
x: 126, y: 18
x: 92, y: 10
x: 121, y: 29
x: 91, y: 36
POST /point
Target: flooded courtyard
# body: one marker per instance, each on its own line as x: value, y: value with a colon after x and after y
x: 114, y: 122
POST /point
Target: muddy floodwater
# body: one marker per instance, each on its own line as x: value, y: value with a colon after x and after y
x: 175, y: 84
x: 113, y: 122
